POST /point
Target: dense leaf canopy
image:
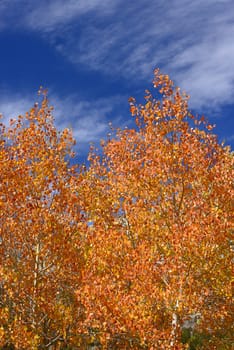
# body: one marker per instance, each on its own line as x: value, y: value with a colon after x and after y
x: 133, y: 252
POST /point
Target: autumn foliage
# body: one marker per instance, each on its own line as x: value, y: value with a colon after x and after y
x: 133, y: 252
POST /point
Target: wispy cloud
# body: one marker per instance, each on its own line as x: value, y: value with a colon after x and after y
x: 191, y: 40
x: 230, y: 138
x: 11, y: 106
x: 51, y: 16
x: 89, y: 120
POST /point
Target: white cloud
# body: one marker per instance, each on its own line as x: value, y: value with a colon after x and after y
x: 193, y: 41
x: 190, y: 40
x: 230, y: 138
x: 89, y: 120
x: 206, y: 70
x: 50, y: 15
x: 12, y: 107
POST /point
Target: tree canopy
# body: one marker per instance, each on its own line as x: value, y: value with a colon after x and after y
x: 132, y: 252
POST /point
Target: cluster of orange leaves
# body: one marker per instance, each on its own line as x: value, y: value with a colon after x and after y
x: 125, y: 252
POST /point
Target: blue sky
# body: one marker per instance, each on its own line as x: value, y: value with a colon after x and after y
x: 92, y: 55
